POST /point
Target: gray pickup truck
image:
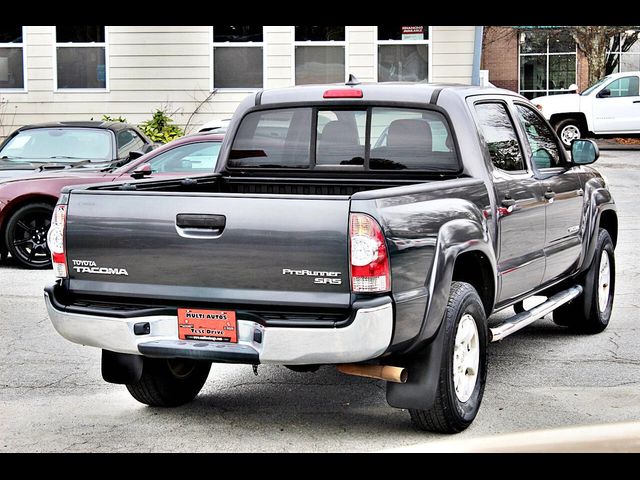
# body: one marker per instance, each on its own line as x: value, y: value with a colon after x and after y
x: 371, y: 227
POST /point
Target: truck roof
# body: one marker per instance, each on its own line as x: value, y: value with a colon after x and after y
x: 390, y: 91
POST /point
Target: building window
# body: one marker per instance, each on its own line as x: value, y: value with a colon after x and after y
x: 403, y: 53
x: 623, y: 54
x: 319, y: 54
x: 81, y: 57
x: 238, y: 57
x: 547, y: 63
x: 11, y: 58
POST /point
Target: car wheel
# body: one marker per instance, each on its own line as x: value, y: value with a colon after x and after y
x: 26, y: 235
x: 169, y: 382
x: 464, y: 365
x: 569, y: 130
x: 591, y: 312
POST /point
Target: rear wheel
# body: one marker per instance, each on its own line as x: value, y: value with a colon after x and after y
x: 169, y: 382
x: 464, y: 365
x: 26, y: 235
x: 591, y: 312
x: 569, y: 130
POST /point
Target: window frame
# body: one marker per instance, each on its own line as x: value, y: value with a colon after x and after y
x: 312, y: 43
x: 313, y: 168
x: 379, y: 43
x: 528, y: 172
x: 541, y: 173
x: 22, y: 45
x: 107, y: 66
x: 547, y: 54
x: 213, y: 44
x: 620, y: 54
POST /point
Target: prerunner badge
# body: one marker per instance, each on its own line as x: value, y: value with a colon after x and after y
x: 207, y: 325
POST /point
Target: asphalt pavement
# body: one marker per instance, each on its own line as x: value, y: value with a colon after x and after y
x: 53, y: 399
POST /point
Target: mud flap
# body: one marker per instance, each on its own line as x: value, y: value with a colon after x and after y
x: 424, y: 374
x: 121, y: 368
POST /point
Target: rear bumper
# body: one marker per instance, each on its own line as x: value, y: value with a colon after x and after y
x: 368, y: 336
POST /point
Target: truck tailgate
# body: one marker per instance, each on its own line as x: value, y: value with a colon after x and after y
x: 236, y: 249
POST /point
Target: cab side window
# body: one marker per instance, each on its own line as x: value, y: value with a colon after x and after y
x: 128, y: 141
x: 545, y: 152
x: 500, y: 136
x: 624, y: 87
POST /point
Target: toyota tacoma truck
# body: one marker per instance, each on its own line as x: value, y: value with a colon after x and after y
x: 375, y: 228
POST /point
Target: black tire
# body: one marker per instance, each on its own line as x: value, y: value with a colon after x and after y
x: 449, y: 414
x: 571, y: 125
x: 583, y: 314
x: 26, y: 235
x: 169, y: 383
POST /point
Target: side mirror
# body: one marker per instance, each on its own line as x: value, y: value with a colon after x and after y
x: 135, y: 154
x: 584, y: 152
x: 143, y: 171
x: 604, y: 93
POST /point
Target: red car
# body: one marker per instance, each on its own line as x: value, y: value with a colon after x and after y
x: 26, y: 204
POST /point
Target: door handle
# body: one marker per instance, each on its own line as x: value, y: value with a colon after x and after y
x: 209, y: 223
x: 636, y: 101
x: 549, y: 194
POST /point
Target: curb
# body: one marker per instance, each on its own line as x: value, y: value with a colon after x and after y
x: 604, y: 145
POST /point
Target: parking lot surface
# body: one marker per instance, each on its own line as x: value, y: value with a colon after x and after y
x: 53, y: 399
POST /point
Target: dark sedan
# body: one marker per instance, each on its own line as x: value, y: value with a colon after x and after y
x: 40, y: 148
x: 26, y: 203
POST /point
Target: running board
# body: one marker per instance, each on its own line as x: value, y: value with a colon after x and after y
x: 521, y: 320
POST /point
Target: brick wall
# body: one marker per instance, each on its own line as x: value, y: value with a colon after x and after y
x: 582, y: 72
x: 500, y: 56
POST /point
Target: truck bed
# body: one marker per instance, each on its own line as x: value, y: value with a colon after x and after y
x: 268, y: 185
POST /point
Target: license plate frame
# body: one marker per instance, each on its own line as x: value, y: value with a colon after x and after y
x: 207, y: 325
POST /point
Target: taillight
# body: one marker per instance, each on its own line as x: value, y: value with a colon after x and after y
x: 370, y: 271
x: 55, y: 241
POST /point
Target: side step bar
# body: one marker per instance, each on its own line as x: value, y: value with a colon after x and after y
x: 521, y: 320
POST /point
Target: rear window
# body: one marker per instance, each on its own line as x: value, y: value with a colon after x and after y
x: 375, y: 138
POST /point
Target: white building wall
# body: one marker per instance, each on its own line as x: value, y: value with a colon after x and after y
x: 452, y: 57
x: 151, y: 67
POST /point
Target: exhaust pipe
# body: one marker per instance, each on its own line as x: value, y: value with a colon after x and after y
x: 380, y: 372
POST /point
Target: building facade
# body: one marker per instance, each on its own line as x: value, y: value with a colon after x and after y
x: 544, y: 61
x: 201, y: 73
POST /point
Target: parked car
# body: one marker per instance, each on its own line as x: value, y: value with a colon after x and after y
x: 610, y: 106
x: 40, y: 148
x: 26, y: 203
x: 316, y: 244
x: 215, y: 126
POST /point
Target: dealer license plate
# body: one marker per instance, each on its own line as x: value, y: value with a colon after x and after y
x: 207, y: 325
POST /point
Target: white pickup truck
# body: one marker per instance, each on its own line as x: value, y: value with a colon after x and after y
x: 610, y: 106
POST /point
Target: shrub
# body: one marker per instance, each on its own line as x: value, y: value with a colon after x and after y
x: 109, y: 118
x: 161, y: 128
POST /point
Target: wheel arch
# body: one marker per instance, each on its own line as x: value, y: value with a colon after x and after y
x: 18, y: 203
x: 600, y: 212
x: 579, y: 116
x: 463, y: 246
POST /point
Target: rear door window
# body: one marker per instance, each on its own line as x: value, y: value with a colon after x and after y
x: 367, y: 138
x: 500, y: 136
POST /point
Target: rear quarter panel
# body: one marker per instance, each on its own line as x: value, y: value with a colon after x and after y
x: 427, y: 226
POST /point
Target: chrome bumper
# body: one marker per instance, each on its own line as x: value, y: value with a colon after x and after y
x: 367, y: 337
